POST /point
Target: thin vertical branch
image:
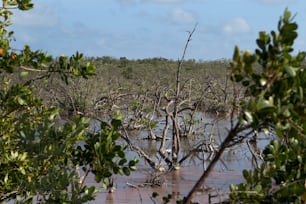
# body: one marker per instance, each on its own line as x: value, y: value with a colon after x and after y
x: 180, y: 63
x: 175, y: 131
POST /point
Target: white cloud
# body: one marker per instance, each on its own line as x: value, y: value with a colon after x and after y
x: 276, y: 1
x: 41, y: 16
x: 165, y: 1
x: 129, y: 2
x: 181, y: 16
x: 236, y: 26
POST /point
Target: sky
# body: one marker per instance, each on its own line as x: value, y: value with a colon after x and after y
x: 138, y: 29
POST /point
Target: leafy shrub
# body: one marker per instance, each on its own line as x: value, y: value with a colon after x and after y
x: 277, y: 103
x: 41, y: 160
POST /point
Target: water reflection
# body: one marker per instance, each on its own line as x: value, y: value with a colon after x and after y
x: 178, y: 183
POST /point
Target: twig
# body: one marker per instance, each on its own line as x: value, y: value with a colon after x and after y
x: 194, y: 150
x: 228, y: 140
x: 175, y: 129
x: 131, y: 185
x: 35, y: 79
x: 139, y: 151
x: 136, y: 187
x: 34, y: 70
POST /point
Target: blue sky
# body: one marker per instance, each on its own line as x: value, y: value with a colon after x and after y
x: 139, y: 29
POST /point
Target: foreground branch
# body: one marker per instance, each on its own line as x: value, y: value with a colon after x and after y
x: 227, y: 142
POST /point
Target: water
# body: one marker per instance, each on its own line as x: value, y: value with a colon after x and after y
x: 135, y: 188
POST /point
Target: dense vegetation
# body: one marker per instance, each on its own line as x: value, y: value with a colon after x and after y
x: 127, y: 83
x: 42, y: 161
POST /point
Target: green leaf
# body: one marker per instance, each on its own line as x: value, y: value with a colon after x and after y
x: 23, y: 156
x: 264, y: 39
x: 264, y: 103
x: 133, y: 162
x: 300, y: 159
x: 263, y: 81
x: 155, y: 194
x: 90, y: 69
x: 22, y: 170
x: 248, y: 117
x: 24, y: 74
x: 98, y: 178
x: 260, y: 43
x: 6, y: 178
x: 122, y: 162
x: 21, y: 101
x: 232, y: 187
x: 126, y: 171
x: 118, y: 115
x: 25, y: 5
x: 287, y: 15
x: 105, y: 183
x: 53, y: 114
x: 90, y: 190
x: 76, y: 72
x: 236, y: 56
x: 276, y: 145
x: 258, y: 188
x: 291, y: 71
x: 245, y: 174
x: 286, y: 112
x: 121, y: 154
x: 116, y: 123
x: 133, y: 168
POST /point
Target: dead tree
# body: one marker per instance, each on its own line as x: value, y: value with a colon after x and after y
x: 176, y: 105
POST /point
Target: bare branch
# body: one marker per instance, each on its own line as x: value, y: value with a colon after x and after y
x: 227, y: 141
x: 139, y: 151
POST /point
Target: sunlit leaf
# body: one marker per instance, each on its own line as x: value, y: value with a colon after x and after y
x: 263, y: 81
x: 258, y: 188
x: 21, y: 101
x: 291, y: 71
x: 264, y: 103
x: 24, y: 74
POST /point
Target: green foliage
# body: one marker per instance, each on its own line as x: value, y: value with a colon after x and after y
x: 42, y: 161
x: 281, y: 177
x: 277, y: 88
x: 113, y: 161
x: 278, y: 85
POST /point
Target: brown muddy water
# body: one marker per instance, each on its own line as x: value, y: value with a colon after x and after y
x: 136, y: 189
